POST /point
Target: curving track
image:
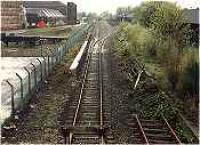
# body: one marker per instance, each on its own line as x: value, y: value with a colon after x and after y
x: 87, y: 119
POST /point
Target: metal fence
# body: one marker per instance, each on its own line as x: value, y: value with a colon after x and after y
x: 17, y: 92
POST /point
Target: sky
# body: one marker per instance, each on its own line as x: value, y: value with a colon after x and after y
x: 100, y: 6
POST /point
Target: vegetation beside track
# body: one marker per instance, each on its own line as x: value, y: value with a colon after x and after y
x: 185, y: 133
x: 158, y: 38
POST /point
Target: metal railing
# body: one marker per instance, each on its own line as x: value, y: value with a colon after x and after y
x: 18, y: 95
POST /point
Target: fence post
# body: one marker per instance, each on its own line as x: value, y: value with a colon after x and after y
x: 35, y: 74
x: 52, y: 63
x: 62, y: 53
x: 29, y: 80
x: 45, y: 70
x: 12, y: 98
x: 22, y: 89
x: 40, y: 68
x: 48, y: 63
x: 57, y: 56
x: 40, y: 41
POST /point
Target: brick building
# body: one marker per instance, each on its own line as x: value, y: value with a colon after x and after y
x: 12, y: 15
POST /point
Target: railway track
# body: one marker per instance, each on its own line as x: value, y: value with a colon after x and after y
x: 85, y: 121
x: 152, y: 131
x: 144, y: 130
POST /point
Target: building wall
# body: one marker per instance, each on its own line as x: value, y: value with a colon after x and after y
x: 12, y: 16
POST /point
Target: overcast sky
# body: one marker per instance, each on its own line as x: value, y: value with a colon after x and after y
x: 99, y: 6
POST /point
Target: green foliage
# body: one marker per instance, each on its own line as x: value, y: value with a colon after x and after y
x: 72, y: 53
x: 165, y: 19
x: 133, y: 40
x: 163, y: 82
x: 144, y: 13
x: 184, y: 133
x: 169, y: 23
x: 188, y: 75
x: 158, y: 106
x: 49, y: 31
x: 159, y: 33
x: 121, y: 41
x: 150, y: 45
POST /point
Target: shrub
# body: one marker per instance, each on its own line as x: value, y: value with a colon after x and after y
x: 189, y: 73
x: 141, y: 41
x: 185, y: 133
x: 158, y: 106
x: 120, y: 41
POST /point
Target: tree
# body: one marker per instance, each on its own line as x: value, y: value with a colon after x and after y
x: 165, y: 19
x: 144, y: 13
x: 167, y: 23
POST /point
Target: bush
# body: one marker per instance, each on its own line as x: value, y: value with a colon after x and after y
x: 72, y: 53
x: 143, y: 42
x: 120, y: 40
x: 185, y: 133
x: 157, y: 106
x: 189, y: 73
x: 163, y: 82
x: 151, y: 45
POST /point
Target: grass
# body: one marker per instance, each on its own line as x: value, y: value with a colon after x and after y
x: 27, y: 50
x: 41, y: 122
x: 58, y: 31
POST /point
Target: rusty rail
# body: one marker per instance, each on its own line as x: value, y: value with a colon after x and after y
x: 80, y: 98
x: 171, y: 130
x: 101, y: 91
x: 141, y: 129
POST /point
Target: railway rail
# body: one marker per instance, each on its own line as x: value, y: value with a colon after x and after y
x: 152, y: 131
x: 86, y: 123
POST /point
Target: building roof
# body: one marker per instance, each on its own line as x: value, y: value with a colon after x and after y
x: 43, y: 4
x: 44, y: 12
x: 192, y: 15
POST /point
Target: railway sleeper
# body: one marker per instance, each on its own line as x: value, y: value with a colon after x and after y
x: 91, y: 93
x: 90, y: 100
x: 158, y: 141
x: 91, y: 97
x: 89, y: 103
x: 92, y: 84
x: 90, y: 88
x: 135, y: 140
x: 85, y: 140
x: 156, y: 130
x: 152, y: 125
x: 88, y: 118
x: 159, y: 136
x: 89, y: 106
x: 90, y: 111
